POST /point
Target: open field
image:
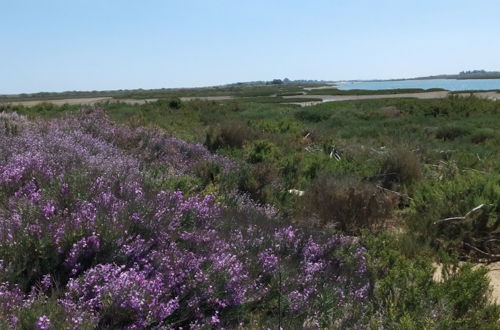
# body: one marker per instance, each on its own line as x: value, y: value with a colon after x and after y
x: 249, y: 212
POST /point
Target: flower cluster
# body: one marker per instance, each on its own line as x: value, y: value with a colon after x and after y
x: 77, y: 213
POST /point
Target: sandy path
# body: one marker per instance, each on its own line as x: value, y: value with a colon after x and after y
x: 494, y: 276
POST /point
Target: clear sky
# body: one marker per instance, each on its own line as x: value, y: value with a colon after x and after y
x: 58, y: 45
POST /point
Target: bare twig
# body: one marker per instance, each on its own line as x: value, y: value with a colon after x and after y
x: 492, y: 240
x: 483, y: 252
x: 395, y: 192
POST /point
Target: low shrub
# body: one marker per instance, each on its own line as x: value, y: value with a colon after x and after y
x: 314, y: 116
x: 482, y: 135
x: 175, y: 103
x: 260, y: 151
x: 347, y: 203
x: 451, y: 132
x: 405, y: 296
x: 87, y: 241
x: 258, y: 181
x: 229, y: 135
x: 390, y: 111
x: 468, y: 228
x: 400, y: 166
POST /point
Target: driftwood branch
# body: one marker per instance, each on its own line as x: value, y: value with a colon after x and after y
x: 477, y: 208
x: 449, y: 219
x: 335, y: 154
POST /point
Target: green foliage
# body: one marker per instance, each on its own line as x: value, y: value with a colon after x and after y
x: 457, y: 197
x: 312, y: 116
x: 451, y: 167
x: 175, y: 103
x: 260, y: 150
x: 257, y: 180
x: 49, y: 307
x: 451, y: 132
x: 405, y: 296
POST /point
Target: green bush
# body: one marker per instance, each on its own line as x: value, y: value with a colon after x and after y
x: 482, y: 135
x: 260, y: 150
x: 405, y: 296
x: 312, y: 115
x: 451, y: 132
x: 257, y: 180
x: 175, y: 103
x: 456, y: 197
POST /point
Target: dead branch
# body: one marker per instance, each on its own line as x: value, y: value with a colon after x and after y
x: 449, y: 219
x: 474, y: 210
x: 497, y: 256
x: 395, y: 192
x: 461, y: 218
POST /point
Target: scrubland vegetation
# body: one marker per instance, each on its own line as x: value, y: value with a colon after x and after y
x: 249, y: 214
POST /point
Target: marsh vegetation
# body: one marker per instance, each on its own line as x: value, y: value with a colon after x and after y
x: 187, y: 213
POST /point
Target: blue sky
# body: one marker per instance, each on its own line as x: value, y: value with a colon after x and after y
x: 109, y: 44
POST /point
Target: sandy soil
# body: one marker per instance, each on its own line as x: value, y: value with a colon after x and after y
x: 494, y: 276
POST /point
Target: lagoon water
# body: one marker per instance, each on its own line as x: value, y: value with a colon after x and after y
x: 448, y: 84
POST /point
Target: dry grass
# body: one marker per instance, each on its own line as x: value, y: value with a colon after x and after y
x: 347, y: 204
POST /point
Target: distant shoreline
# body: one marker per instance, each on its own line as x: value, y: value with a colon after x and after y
x: 411, y: 79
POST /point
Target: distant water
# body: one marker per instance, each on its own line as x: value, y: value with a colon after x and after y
x: 448, y: 84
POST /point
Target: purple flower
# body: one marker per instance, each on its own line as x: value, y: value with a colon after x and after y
x: 49, y: 210
x: 268, y: 260
x: 64, y: 189
x: 43, y: 323
x: 46, y: 282
x: 81, y: 250
x: 82, y: 183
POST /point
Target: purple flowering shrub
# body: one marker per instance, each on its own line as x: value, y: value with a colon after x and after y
x: 87, y: 241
